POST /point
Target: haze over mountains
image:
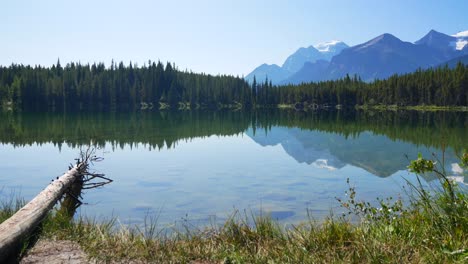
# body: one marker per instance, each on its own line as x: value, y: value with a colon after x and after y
x: 377, y: 58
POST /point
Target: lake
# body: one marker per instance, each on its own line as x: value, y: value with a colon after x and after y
x: 200, y: 167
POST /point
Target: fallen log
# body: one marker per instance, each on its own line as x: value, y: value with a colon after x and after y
x: 22, y: 223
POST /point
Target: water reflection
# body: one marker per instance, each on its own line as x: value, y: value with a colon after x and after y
x: 376, y: 154
x: 204, y: 165
x: 165, y: 129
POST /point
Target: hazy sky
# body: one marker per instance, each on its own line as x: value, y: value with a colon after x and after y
x: 217, y: 36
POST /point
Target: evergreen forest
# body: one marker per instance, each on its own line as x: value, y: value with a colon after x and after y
x: 77, y: 87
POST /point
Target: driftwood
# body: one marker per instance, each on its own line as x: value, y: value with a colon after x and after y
x: 71, y: 200
x: 21, y: 225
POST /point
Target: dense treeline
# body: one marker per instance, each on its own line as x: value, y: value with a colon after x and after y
x: 118, y: 87
x: 121, y: 87
x: 439, y: 86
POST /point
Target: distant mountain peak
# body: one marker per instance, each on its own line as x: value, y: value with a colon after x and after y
x: 271, y: 71
x: 435, y: 38
x: 444, y: 42
x: 433, y: 32
x: 383, y: 39
x: 296, y: 60
x: 386, y: 37
x: 379, y: 57
x: 268, y: 65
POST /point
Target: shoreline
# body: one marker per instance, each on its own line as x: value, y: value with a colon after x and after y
x: 422, y: 108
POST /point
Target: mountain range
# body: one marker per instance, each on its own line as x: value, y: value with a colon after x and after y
x: 377, y: 58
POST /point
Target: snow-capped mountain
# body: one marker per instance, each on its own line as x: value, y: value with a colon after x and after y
x: 320, y: 52
x: 379, y: 57
x: 331, y: 48
x: 444, y: 42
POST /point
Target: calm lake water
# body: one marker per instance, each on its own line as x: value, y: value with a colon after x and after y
x: 202, y: 166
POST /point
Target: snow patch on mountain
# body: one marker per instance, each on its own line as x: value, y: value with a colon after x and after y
x: 460, y: 44
x: 327, y: 46
x: 462, y: 34
x: 462, y: 40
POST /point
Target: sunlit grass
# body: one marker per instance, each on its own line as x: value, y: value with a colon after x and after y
x: 425, y: 231
x: 431, y: 228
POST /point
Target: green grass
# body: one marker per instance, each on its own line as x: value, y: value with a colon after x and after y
x: 425, y: 108
x: 431, y: 228
x: 9, y: 206
x: 415, y: 235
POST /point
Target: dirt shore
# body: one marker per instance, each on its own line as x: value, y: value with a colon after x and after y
x: 55, y: 252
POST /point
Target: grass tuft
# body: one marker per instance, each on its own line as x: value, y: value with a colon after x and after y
x: 431, y: 228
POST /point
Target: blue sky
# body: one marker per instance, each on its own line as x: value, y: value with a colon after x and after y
x: 227, y: 37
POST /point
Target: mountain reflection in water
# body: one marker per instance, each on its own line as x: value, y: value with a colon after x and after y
x: 207, y: 164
